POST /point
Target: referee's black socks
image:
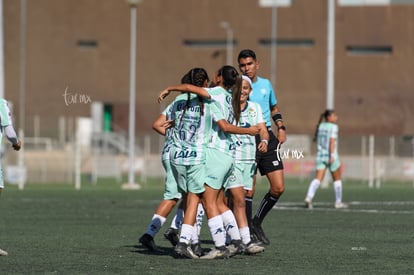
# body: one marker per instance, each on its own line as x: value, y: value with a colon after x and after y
x: 266, y: 205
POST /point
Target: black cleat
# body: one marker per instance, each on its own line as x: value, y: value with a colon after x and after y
x: 183, y: 250
x: 148, y: 241
x: 261, y: 236
x: 197, y: 249
x: 171, y: 234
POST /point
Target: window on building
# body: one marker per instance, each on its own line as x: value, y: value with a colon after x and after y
x: 207, y: 43
x: 369, y: 50
x: 288, y: 42
x: 87, y: 44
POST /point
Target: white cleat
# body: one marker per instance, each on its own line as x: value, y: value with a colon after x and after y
x: 3, y: 252
x: 341, y: 205
x: 308, y: 203
x: 253, y: 248
x: 215, y: 253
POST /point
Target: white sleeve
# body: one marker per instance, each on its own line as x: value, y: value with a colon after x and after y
x: 10, y: 134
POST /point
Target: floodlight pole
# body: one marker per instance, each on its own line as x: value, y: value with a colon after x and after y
x: 229, y: 44
x: 330, y: 77
x: 273, y: 46
x: 132, y: 95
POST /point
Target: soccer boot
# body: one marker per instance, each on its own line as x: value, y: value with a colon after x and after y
x: 3, y: 252
x: 197, y: 249
x: 148, y: 241
x: 258, y: 231
x: 184, y: 250
x: 217, y: 253
x: 253, y: 248
x: 340, y: 205
x: 171, y: 234
x: 308, y: 203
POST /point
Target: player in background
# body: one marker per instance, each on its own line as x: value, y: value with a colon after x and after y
x: 6, y: 128
x: 269, y: 163
x: 198, y: 77
x: 243, y: 173
x: 223, y: 107
x: 326, y: 137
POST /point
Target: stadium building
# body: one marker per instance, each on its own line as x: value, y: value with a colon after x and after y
x: 64, y: 57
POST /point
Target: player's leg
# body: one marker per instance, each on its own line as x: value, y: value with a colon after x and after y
x: 171, y: 196
x: 171, y: 233
x: 277, y: 187
x: 230, y: 225
x: 195, y: 238
x: 157, y: 221
x: 2, y: 252
x: 313, y: 187
x: 336, y: 175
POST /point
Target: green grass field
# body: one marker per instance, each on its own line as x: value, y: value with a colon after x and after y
x: 56, y: 229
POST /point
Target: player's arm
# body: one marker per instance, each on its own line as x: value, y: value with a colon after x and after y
x: 278, y: 120
x: 161, y: 124
x: 264, y: 138
x: 185, y: 88
x: 12, y: 137
x: 232, y: 129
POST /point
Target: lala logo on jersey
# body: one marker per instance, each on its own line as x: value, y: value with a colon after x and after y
x: 185, y: 154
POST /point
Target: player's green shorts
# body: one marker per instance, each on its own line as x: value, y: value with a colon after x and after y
x: 218, y: 167
x: 171, y: 188
x: 320, y: 165
x: 242, y: 175
x: 189, y: 177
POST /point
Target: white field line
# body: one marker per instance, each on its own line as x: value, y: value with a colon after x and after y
x: 325, y: 206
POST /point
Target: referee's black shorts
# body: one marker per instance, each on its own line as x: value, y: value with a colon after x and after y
x: 271, y: 160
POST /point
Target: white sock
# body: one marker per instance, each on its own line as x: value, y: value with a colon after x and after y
x: 218, y: 234
x: 186, y: 233
x: 338, y: 190
x: 230, y: 225
x: 178, y: 219
x: 155, y: 224
x: 199, y: 219
x: 313, y: 186
x: 245, y: 235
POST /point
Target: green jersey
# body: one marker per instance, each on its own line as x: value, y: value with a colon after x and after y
x: 191, y: 130
x: 251, y: 115
x: 326, y: 131
x: 221, y: 108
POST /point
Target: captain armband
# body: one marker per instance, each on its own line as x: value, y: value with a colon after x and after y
x: 277, y: 117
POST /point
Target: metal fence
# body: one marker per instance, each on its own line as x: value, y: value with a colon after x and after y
x: 60, y: 157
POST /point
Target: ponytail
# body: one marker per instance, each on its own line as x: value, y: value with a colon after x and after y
x: 323, y: 116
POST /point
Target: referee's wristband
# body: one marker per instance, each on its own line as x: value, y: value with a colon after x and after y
x: 265, y: 141
x: 281, y: 128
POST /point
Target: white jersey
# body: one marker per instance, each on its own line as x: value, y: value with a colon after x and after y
x: 191, y: 131
x: 326, y: 131
x: 251, y: 115
x: 221, y: 108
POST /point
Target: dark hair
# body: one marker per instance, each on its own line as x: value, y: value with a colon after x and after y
x: 246, y: 53
x: 323, y: 116
x: 196, y: 77
x: 232, y: 82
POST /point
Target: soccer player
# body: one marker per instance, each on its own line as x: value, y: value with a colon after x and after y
x: 6, y: 127
x: 326, y: 137
x: 269, y: 163
x: 222, y: 107
x: 198, y: 77
x: 243, y: 173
